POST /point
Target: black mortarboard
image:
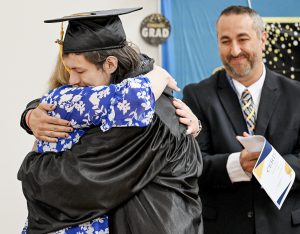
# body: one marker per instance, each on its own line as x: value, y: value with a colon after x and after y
x: 95, y: 30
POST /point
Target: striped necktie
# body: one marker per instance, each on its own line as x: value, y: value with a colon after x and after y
x: 248, y: 110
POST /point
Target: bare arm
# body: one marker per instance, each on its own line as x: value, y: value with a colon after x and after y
x: 160, y: 79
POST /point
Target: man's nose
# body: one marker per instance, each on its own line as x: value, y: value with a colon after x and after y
x: 235, y: 49
x: 74, y: 78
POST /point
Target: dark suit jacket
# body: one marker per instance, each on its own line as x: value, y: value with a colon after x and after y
x: 244, y: 207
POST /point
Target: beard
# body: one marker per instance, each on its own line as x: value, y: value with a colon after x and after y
x: 240, y: 70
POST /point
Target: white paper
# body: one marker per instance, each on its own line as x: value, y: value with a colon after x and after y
x: 271, y: 170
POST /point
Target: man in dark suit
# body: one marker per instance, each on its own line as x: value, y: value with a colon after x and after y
x: 233, y: 200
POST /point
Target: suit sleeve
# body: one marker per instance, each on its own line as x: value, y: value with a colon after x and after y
x: 294, y: 161
x: 214, y: 173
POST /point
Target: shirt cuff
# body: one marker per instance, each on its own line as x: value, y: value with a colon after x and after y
x: 235, y: 170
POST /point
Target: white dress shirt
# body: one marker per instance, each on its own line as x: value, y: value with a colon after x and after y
x: 234, y: 168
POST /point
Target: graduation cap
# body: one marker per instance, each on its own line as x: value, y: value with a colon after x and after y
x: 89, y: 31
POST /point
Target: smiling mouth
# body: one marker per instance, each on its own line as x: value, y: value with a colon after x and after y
x: 237, y: 60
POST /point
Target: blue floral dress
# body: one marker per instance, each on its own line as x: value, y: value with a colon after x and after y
x: 129, y: 103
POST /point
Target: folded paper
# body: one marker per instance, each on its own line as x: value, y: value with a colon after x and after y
x: 271, y: 170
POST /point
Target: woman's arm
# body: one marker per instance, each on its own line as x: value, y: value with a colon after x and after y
x: 160, y: 79
x: 89, y: 105
x: 47, y: 127
x: 129, y: 103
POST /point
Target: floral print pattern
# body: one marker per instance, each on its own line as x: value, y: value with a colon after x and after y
x: 129, y: 103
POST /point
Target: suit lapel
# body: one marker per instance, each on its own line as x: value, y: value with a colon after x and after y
x: 231, y: 104
x: 269, y: 98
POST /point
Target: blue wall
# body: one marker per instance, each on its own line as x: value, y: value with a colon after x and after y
x: 191, y: 53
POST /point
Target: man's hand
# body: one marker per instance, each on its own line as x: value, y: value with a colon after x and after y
x: 187, y: 117
x: 248, y: 159
x: 45, y: 127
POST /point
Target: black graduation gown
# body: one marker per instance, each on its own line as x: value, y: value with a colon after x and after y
x: 145, y: 179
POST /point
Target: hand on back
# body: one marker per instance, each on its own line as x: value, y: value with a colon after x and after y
x: 45, y: 127
x: 187, y: 117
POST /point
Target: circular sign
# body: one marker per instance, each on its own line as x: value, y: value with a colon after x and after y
x: 155, y: 29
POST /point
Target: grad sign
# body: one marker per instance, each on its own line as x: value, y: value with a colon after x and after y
x: 155, y: 29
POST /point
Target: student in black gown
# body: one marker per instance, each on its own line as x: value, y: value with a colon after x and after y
x: 144, y: 178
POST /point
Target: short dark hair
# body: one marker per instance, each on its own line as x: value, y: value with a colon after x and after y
x: 258, y: 23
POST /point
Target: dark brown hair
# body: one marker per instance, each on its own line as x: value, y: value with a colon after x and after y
x: 128, y: 61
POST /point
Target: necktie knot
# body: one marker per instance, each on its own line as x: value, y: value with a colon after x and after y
x: 248, y: 110
x: 246, y: 95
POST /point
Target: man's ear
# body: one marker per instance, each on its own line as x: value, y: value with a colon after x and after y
x: 111, y: 64
x: 264, y: 38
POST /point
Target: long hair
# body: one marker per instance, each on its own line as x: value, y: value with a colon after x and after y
x: 128, y: 61
x: 59, y: 75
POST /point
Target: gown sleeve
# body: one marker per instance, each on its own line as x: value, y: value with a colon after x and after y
x: 31, y: 105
